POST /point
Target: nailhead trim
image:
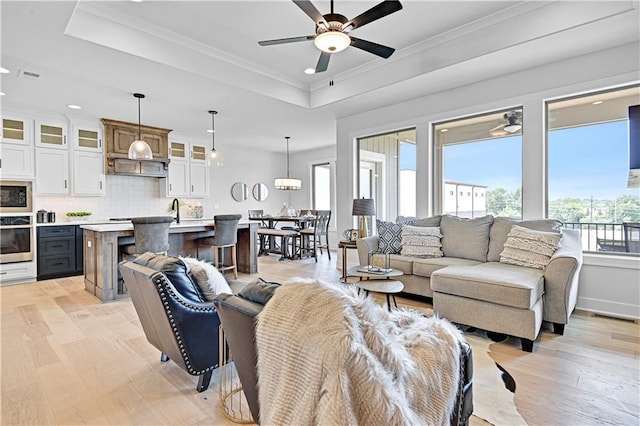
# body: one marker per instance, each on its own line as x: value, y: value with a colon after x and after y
x: 161, y: 283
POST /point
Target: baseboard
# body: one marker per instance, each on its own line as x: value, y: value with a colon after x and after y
x: 607, y: 308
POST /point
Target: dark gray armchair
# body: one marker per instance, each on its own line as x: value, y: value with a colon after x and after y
x: 174, y: 313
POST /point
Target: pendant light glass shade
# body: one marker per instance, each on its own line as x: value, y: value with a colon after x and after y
x: 287, y: 183
x: 139, y: 149
x: 213, y: 158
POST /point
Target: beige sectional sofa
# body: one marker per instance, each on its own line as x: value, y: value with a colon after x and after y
x: 470, y: 284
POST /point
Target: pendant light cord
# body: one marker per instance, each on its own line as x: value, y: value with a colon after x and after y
x: 213, y: 130
x: 139, y: 131
x: 287, y: 138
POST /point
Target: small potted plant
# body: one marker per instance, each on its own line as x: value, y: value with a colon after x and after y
x: 82, y: 216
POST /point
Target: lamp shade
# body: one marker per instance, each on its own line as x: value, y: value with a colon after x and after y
x: 363, y: 207
x: 288, y: 184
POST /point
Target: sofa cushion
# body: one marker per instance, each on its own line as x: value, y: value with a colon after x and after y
x: 396, y: 261
x: 466, y: 238
x: 492, y: 282
x: 176, y: 271
x: 427, y: 221
x: 401, y: 220
x: 526, y: 247
x: 502, y: 225
x: 425, y: 267
x: 421, y: 241
x: 390, y: 237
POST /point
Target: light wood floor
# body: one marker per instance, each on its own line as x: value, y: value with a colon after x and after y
x: 68, y: 359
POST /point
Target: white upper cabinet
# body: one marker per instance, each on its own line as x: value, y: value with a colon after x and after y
x: 188, y: 171
x: 16, y: 162
x: 16, y: 129
x: 86, y: 135
x: 52, y: 172
x: 88, y: 174
x: 51, y: 133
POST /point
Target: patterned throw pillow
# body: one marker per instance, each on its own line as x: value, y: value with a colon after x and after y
x: 390, y: 237
x: 529, y: 248
x: 421, y: 241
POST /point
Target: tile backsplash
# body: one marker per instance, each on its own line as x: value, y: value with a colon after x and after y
x: 126, y: 196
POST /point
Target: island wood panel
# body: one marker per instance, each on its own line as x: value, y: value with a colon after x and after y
x: 101, y: 253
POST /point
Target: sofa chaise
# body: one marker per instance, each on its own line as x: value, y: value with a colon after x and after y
x: 473, y: 279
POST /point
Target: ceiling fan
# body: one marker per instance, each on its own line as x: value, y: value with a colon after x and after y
x: 332, y: 31
x: 512, y: 124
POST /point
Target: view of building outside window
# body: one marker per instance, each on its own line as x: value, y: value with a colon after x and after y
x: 480, y: 162
x: 588, y: 168
x: 387, y: 173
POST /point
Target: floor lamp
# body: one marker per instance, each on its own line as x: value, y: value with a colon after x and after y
x: 364, y: 208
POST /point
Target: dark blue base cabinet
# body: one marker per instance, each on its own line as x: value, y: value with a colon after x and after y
x: 59, y: 251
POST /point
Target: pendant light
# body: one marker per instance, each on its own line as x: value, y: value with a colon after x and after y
x: 139, y: 149
x: 288, y: 184
x: 213, y: 159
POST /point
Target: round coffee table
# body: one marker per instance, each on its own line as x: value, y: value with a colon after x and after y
x: 378, y: 282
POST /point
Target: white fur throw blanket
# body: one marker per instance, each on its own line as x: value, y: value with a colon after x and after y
x: 327, y: 356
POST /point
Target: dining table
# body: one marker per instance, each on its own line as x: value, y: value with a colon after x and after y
x: 272, y: 221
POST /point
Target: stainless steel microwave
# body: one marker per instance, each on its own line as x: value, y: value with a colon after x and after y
x: 16, y: 197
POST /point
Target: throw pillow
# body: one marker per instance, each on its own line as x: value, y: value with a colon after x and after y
x: 390, y: 237
x: 404, y: 220
x: 530, y: 248
x: 259, y: 291
x: 466, y: 238
x: 502, y: 226
x: 421, y: 241
x: 208, y: 278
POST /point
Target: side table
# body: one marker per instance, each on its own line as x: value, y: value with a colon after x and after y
x: 345, y: 245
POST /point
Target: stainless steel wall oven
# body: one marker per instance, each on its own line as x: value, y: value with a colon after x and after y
x: 16, y: 239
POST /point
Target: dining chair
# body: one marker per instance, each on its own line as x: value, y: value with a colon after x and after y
x: 225, y: 237
x: 263, y: 242
x: 311, y: 238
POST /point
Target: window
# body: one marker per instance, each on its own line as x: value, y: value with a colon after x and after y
x: 479, y: 158
x: 588, y: 143
x: 321, y: 184
x: 387, y: 173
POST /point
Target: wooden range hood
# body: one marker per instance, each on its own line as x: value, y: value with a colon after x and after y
x: 119, y: 135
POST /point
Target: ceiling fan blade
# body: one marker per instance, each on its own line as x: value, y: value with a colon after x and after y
x: 323, y: 62
x: 286, y: 40
x: 378, y: 11
x: 371, y: 47
x: 313, y: 13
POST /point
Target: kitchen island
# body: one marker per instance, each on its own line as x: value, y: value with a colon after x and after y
x: 102, y: 252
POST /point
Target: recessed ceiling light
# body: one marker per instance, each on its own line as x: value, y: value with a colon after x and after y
x: 596, y: 102
x: 1, y: 93
x: 72, y: 106
x: 4, y: 71
x: 137, y: 1
x: 444, y: 130
x: 310, y: 71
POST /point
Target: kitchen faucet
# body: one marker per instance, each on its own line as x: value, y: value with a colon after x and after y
x: 175, y: 205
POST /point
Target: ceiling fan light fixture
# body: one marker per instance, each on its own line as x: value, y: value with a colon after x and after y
x: 512, y: 128
x: 332, y: 41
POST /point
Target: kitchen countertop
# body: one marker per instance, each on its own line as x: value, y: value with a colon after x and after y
x: 126, y: 226
x: 112, y: 222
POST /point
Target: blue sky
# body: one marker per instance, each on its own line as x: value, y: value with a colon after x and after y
x: 583, y: 162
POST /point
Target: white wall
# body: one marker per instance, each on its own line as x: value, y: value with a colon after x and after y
x: 528, y: 88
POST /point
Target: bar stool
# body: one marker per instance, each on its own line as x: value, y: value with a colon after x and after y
x: 150, y: 233
x: 226, y: 236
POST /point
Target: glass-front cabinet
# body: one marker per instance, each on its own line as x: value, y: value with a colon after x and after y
x: 188, y: 171
x: 51, y: 134
x: 15, y: 129
x: 86, y: 135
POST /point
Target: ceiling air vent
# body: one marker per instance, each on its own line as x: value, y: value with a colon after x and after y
x: 28, y: 74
